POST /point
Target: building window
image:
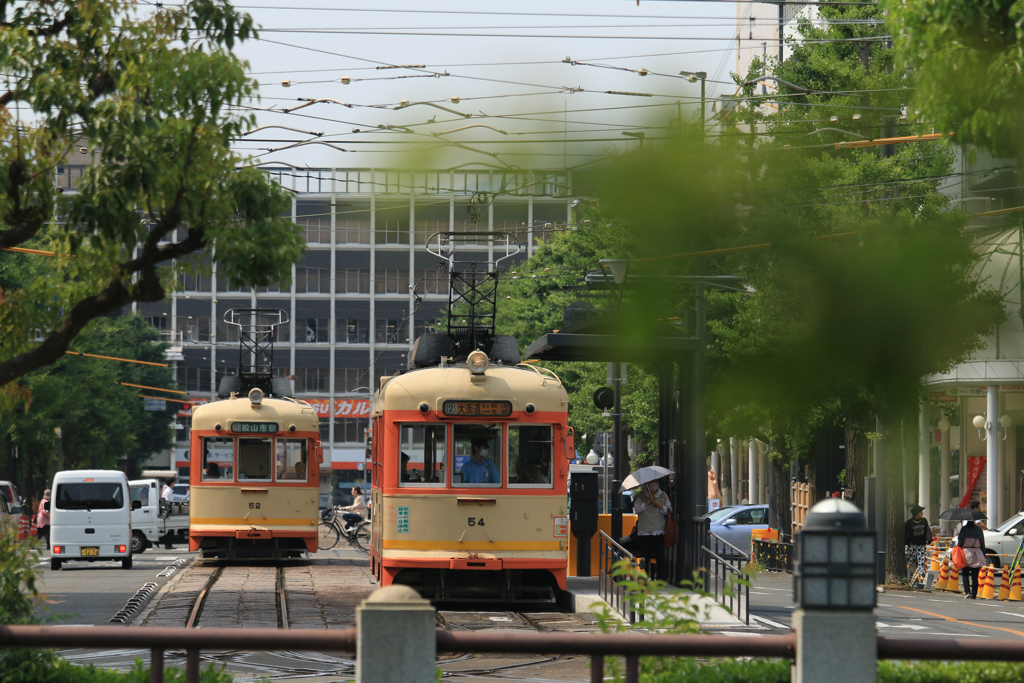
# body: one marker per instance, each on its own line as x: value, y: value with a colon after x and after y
x: 353, y: 281
x: 194, y: 328
x: 391, y: 232
x: 353, y: 231
x: 191, y: 378
x: 353, y: 331
x: 351, y: 380
x: 350, y: 430
x: 388, y: 331
x: 318, y: 229
x: 312, y: 280
x: 312, y: 380
x: 431, y: 281
x: 157, y: 322
x: 391, y: 281
x: 193, y: 281
x: 316, y: 330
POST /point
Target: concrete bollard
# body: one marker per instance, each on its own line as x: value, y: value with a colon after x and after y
x: 835, y: 645
x: 396, y: 640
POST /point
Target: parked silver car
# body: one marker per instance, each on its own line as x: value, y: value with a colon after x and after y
x: 733, y: 525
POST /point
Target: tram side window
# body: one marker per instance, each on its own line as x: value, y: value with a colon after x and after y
x: 218, y: 459
x: 421, y: 455
x: 529, y: 454
x: 477, y: 453
x: 254, y: 461
x: 291, y: 460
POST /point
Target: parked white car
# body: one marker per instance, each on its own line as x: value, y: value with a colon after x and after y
x: 90, y: 518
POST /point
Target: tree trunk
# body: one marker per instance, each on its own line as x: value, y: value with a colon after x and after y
x: 856, y: 462
x: 895, y: 552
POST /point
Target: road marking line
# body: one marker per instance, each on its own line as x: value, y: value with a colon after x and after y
x: 765, y: 620
x: 1012, y: 614
x: 969, y: 623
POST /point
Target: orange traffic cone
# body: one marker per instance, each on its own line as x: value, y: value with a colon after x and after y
x: 987, y: 588
x: 941, y: 584
x: 954, y: 579
x: 1015, y: 586
x: 23, y: 525
x: 1003, y: 592
x: 935, y: 561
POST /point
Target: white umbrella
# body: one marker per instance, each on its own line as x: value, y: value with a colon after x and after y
x: 644, y: 475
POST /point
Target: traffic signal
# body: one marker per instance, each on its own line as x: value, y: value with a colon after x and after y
x: 604, y: 398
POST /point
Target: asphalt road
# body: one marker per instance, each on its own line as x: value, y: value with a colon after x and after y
x: 91, y: 593
x: 911, y: 614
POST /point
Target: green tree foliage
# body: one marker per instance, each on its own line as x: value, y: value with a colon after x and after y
x: 148, y: 97
x: 968, y: 68
x: 100, y: 420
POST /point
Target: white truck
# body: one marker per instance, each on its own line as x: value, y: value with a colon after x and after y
x: 155, y: 521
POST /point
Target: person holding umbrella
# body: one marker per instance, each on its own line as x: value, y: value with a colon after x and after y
x: 971, y: 539
x: 652, y: 507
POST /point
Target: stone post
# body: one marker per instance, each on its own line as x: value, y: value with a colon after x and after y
x: 396, y: 639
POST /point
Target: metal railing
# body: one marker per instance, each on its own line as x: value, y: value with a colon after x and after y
x: 598, y: 645
x: 722, y: 577
x: 610, y: 590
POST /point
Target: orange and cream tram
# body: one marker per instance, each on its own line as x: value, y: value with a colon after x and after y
x: 255, y: 459
x: 470, y: 458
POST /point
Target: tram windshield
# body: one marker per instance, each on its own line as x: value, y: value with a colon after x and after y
x: 529, y: 455
x: 291, y: 460
x: 477, y: 453
x: 254, y: 461
x: 422, y: 455
x: 218, y: 459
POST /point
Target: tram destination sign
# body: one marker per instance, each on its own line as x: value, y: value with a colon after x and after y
x: 476, y: 408
x: 254, y: 427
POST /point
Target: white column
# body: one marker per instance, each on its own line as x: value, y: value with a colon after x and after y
x: 924, y: 494
x: 332, y: 337
x: 752, y: 473
x: 992, y: 456
x: 965, y: 424
x: 715, y: 467
x: 944, y: 477
x: 529, y: 219
x: 291, y: 312
x: 370, y: 380
x: 762, y: 474
x: 213, y: 329
x: 734, y: 473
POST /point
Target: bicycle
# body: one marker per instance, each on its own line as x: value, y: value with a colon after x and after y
x: 330, y: 530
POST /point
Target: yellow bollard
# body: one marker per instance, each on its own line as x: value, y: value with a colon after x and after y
x: 1015, y: 586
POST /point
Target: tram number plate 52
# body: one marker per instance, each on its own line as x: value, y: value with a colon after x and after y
x: 474, y: 521
x: 254, y: 506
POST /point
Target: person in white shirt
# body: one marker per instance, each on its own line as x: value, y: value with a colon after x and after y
x: 652, y: 507
x: 357, y: 511
x: 167, y: 491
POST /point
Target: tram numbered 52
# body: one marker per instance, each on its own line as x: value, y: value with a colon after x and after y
x: 469, y: 463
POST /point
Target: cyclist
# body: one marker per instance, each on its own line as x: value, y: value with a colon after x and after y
x: 357, y: 512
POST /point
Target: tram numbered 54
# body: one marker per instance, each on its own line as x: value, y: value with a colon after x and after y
x: 254, y: 478
x: 469, y: 463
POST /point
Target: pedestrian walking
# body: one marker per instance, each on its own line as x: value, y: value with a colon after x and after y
x: 917, y: 534
x: 43, y: 519
x: 971, y: 539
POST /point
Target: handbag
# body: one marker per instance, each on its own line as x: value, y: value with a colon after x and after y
x: 671, y: 531
x: 958, y: 558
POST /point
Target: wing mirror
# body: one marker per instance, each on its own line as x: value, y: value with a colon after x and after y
x: 136, y: 505
x: 1012, y: 532
x: 729, y: 522
x: 46, y: 506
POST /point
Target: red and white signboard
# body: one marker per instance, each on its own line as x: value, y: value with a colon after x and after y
x: 343, y: 407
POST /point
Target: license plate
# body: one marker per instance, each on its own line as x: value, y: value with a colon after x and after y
x: 90, y: 552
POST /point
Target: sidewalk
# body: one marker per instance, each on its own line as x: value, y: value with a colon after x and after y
x: 584, y: 596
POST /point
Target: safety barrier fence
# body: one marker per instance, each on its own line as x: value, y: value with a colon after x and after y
x: 773, y: 555
x: 598, y: 646
x: 610, y: 590
x: 721, y: 577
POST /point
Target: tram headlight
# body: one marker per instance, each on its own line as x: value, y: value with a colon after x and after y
x: 477, y: 362
x: 256, y: 396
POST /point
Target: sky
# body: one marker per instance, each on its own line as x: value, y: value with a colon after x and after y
x: 501, y: 66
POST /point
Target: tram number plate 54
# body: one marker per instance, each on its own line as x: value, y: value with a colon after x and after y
x: 474, y: 521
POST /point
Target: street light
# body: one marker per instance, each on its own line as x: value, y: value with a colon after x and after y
x: 637, y: 136
x: 693, y: 77
x: 979, y: 421
x: 835, y: 558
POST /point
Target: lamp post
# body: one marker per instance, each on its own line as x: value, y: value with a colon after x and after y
x: 834, y: 588
x: 693, y: 77
x: 619, y: 269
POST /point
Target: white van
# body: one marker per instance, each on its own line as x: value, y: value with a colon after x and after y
x: 90, y: 517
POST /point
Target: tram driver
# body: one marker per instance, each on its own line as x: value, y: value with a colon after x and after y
x: 411, y: 476
x: 480, y: 469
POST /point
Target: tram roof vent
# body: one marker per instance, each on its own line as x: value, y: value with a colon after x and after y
x: 429, y: 349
